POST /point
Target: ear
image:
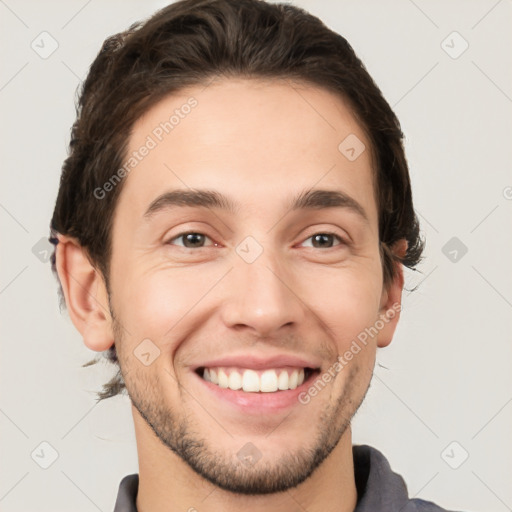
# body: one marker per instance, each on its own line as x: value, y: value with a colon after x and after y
x: 85, y: 293
x: 391, y: 299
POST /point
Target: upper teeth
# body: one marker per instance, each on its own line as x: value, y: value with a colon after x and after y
x: 253, y: 381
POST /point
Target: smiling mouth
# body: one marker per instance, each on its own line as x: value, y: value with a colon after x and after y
x: 257, y: 381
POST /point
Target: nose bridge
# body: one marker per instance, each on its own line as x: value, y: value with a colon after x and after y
x: 261, y: 294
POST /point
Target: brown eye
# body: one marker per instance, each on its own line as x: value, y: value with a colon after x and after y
x: 191, y: 240
x: 324, y: 240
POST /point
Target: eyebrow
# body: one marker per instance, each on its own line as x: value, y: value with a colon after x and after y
x: 202, y: 198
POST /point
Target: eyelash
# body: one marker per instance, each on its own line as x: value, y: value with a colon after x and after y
x: 342, y: 241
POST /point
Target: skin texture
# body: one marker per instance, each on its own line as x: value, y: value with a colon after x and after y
x: 260, y: 143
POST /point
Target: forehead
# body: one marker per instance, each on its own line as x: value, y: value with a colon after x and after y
x: 255, y: 140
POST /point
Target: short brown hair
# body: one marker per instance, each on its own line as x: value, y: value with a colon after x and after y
x: 189, y: 43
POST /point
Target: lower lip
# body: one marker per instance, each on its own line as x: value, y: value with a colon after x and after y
x: 258, y: 402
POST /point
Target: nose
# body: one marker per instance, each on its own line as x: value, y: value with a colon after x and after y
x: 262, y: 296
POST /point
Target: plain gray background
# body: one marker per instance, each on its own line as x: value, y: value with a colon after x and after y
x: 441, y: 391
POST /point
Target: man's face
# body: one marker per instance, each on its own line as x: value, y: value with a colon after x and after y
x: 265, y: 287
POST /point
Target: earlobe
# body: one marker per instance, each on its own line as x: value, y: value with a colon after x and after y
x: 391, y: 300
x: 85, y: 294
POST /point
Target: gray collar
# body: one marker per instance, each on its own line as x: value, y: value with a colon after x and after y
x: 378, y: 487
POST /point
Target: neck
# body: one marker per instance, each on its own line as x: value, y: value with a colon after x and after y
x: 167, y: 483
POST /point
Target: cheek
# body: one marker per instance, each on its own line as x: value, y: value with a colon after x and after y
x: 346, y: 300
x: 158, y: 304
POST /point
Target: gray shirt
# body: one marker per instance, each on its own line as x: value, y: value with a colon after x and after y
x: 379, y: 489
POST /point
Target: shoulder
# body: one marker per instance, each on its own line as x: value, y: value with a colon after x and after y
x: 127, y: 494
x: 380, y: 488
